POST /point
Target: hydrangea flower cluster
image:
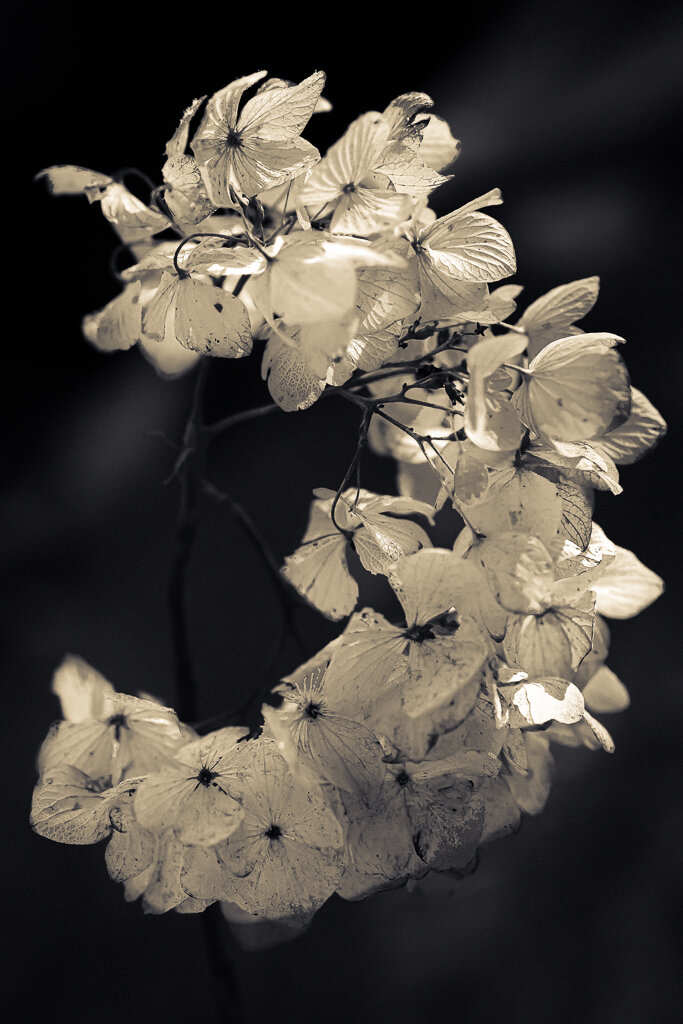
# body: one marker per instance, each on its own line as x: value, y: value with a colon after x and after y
x: 399, y: 749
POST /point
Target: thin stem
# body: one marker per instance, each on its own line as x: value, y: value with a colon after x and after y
x: 439, y: 455
x: 404, y: 369
x: 198, y: 234
x: 260, y: 246
x: 229, y: 1001
x: 379, y: 375
x: 158, y: 202
x: 284, y: 592
x: 240, y: 284
x: 444, y: 347
x: 316, y: 216
x: 189, y: 469
x: 126, y: 172
x: 367, y: 407
x: 511, y: 327
x: 113, y: 261
x: 517, y: 369
x: 421, y: 440
x: 417, y: 438
x: 284, y: 205
x: 402, y: 399
x: 213, y: 429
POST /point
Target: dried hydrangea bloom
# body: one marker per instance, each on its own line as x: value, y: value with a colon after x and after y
x: 428, y: 816
x: 321, y: 745
x: 192, y: 794
x: 110, y: 734
x: 400, y: 747
x: 318, y: 569
x: 70, y: 806
x: 430, y: 666
x: 286, y: 857
x: 257, y: 147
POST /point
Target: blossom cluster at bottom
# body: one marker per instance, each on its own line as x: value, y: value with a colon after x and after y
x: 324, y: 799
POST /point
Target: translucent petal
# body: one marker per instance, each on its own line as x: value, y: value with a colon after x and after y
x: 347, y: 162
x: 519, y: 569
x: 575, y: 388
x: 292, y: 382
x: 531, y: 792
x: 210, y: 321
x: 521, y: 501
x: 429, y: 583
x: 367, y: 210
x: 466, y: 246
x: 308, y: 284
x: 319, y: 572
x: 438, y: 147
x: 484, y: 358
x: 81, y: 689
x: 443, y: 672
x: 551, y: 316
x: 213, y: 142
x: 89, y: 746
x: 408, y: 171
x: 281, y: 114
x: 364, y: 662
x: 382, y: 542
x: 626, y: 586
x: 641, y: 431
x: 117, y: 325
x: 381, y: 851
x: 167, y: 355
x: 553, y: 643
x: 133, y: 220
x: 491, y: 422
x: 205, y: 876
x: 288, y: 851
x: 164, y: 891
x: 605, y: 693
x: 338, y: 750
x: 258, y: 164
x: 71, y: 807
x: 130, y: 736
x: 588, y: 464
x: 156, y: 311
x: 217, y: 261
x: 186, y: 195
x: 132, y: 849
x: 70, y: 180
x: 177, y: 144
x: 543, y: 700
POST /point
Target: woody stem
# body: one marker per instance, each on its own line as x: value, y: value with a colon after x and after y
x: 190, y: 471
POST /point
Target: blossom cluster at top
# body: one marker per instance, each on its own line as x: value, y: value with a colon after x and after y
x: 402, y: 746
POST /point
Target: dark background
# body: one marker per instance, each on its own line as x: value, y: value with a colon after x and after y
x: 573, y: 111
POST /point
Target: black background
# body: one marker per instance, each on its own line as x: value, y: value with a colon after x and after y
x: 573, y: 111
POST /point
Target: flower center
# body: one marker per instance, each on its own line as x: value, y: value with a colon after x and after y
x: 98, y: 785
x: 274, y: 832
x: 233, y: 139
x: 349, y: 188
x: 205, y: 776
x: 312, y: 710
x: 117, y: 723
x: 419, y: 633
